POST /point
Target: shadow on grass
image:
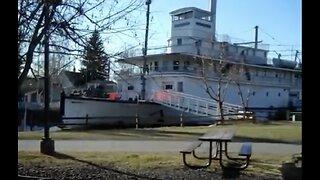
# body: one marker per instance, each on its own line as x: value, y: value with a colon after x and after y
x: 152, y: 134
x: 148, y: 133
x: 158, y: 134
x: 227, y: 173
x: 65, y: 156
x: 291, y: 172
x: 262, y: 140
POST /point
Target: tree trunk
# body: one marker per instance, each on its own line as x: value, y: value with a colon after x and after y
x: 220, y: 110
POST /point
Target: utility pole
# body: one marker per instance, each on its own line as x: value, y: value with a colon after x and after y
x: 46, y: 145
x: 143, y: 90
x: 256, y: 40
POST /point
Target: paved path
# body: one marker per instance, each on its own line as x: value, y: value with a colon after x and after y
x: 147, y: 146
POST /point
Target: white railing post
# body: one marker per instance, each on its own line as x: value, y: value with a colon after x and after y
x: 188, y: 105
x: 181, y: 120
x: 293, y: 117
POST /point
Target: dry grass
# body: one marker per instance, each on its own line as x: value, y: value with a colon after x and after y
x: 268, y: 164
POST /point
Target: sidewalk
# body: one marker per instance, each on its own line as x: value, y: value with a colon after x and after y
x: 148, y: 146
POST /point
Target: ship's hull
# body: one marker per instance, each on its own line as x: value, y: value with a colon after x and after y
x: 80, y: 112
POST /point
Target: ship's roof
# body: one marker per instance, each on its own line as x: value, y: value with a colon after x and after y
x: 187, y: 9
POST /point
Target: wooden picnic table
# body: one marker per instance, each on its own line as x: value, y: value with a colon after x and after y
x: 219, y: 137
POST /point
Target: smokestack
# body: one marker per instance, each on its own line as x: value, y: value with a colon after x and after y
x: 213, y: 5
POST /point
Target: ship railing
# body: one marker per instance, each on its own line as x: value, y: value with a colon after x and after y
x: 192, y: 104
x: 160, y: 69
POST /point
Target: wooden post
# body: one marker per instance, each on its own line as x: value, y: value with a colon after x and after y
x: 287, y: 115
x: 24, y: 122
x: 87, y: 118
x: 31, y: 122
x: 137, y: 121
x: 181, y: 120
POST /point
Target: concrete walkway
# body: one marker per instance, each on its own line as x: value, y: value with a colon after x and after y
x: 147, y: 146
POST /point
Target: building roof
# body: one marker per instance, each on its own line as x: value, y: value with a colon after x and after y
x: 76, y: 78
x: 31, y: 84
x: 187, y: 9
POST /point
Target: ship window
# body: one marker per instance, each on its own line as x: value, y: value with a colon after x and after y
x: 198, y: 43
x: 267, y: 93
x: 265, y: 54
x: 279, y: 94
x: 176, y: 65
x: 253, y: 93
x: 185, y: 15
x: 168, y: 86
x: 248, y: 76
x: 293, y: 94
x: 180, y: 86
x: 276, y: 75
x: 175, y: 18
x: 203, y: 16
x: 130, y: 87
x: 165, y: 65
x: 156, y: 68
x: 179, y: 42
x: 182, y: 24
x: 203, y: 25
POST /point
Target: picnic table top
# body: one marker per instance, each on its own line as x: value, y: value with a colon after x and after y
x: 218, y: 135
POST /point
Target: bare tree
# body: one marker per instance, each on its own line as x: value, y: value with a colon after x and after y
x: 220, y: 71
x: 70, y: 22
x: 243, y: 72
x: 241, y: 76
x: 225, y: 73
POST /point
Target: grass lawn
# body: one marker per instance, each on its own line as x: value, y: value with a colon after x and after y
x: 274, y: 131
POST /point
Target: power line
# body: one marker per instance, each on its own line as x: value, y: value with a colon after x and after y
x: 285, y: 45
x: 269, y: 35
x: 245, y: 31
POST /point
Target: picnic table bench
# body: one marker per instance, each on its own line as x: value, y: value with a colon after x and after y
x: 219, y: 137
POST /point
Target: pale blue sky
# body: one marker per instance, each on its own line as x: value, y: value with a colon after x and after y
x: 279, y: 21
